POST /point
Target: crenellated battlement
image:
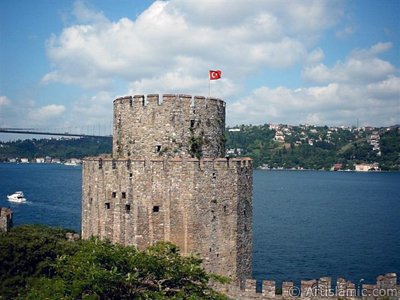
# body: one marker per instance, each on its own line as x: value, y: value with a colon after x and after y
x: 168, y: 99
x: 386, y: 287
x: 109, y: 163
x: 168, y: 126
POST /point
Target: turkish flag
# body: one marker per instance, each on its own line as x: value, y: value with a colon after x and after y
x: 215, y: 74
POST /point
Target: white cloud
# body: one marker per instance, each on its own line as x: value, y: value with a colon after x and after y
x: 362, y: 87
x: 315, y: 57
x: 332, y: 104
x: 236, y: 36
x: 94, y: 110
x: 345, y: 32
x: 4, y: 101
x: 171, y: 46
x: 83, y: 14
x: 12, y: 115
x: 47, y: 112
x: 375, y: 50
x: 10, y: 111
x: 174, y: 82
x: 309, y: 16
x: 386, y: 88
x: 5, y: 109
x: 362, y: 66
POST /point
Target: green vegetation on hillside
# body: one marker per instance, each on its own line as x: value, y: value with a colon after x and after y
x: 315, y: 147
x: 270, y: 146
x: 38, y: 262
x: 60, y: 148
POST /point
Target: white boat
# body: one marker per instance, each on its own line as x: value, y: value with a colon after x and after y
x: 17, y: 197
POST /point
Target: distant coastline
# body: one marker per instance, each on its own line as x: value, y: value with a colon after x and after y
x: 287, y: 147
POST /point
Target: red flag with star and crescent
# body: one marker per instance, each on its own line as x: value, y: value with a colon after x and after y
x: 215, y: 74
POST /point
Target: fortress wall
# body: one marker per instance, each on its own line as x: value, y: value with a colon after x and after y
x: 225, y: 215
x: 192, y: 203
x: 212, y: 222
x: 182, y: 189
x: 244, y: 212
x: 167, y: 126
x: 166, y: 182
x: 5, y: 219
x: 386, y: 288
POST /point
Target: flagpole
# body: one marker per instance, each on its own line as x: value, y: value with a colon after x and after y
x: 209, y: 90
x: 209, y: 87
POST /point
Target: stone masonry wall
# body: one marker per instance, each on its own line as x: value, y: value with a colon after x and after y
x: 168, y: 180
x: 203, y: 206
x: 5, y: 219
x: 386, y: 288
x: 168, y: 126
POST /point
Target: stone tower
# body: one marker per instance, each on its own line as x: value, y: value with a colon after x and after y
x: 168, y: 180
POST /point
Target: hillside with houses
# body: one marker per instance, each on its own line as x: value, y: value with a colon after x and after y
x: 278, y: 146
x: 272, y: 146
x: 54, y: 150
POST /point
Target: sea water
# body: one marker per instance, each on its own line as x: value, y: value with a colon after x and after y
x: 310, y: 224
x: 306, y: 224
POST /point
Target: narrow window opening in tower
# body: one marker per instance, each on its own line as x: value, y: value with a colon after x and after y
x: 131, y: 103
x: 156, y: 208
x: 192, y: 123
x: 114, y: 194
x: 127, y: 207
x: 90, y: 200
x: 123, y: 195
x: 224, y: 208
x: 143, y: 101
x: 114, y: 164
x: 244, y: 213
x: 100, y: 164
x: 107, y: 205
x: 210, y: 249
x: 214, y: 175
x: 130, y: 175
x: 158, y: 148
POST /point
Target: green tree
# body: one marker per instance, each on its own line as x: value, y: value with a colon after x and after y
x: 101, y: 270
x: 29, y: 251
x: 37, y: 262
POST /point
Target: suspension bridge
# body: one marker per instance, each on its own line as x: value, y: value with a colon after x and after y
x: 67, y: 132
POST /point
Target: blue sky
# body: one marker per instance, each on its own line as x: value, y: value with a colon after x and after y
x: 310, y: 61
